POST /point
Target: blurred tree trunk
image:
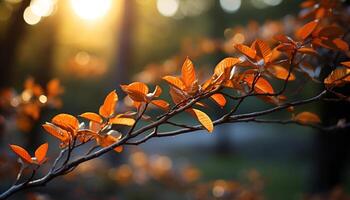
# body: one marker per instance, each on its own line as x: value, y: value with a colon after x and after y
x: 43, y: 75
x: 124, y: 43
x: 8, y: 49
x: 9, y: 44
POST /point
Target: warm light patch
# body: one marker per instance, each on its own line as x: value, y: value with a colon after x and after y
x: 167, y: 8
x: 91, y: 9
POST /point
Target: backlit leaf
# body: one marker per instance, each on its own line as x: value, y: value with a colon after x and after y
x: 66, y: 122
x: 281, y: 72
x: 92, y: 117
x: 225, y: 64
x: 262, y: 49
x: 204, y: 119
x: 247, y: 51
x: 174, y: 81
x: 346, y: 64
x: 261, y: 86
x: 307, y: 29
x: 122, y: 121
x: 161, y: 104
x: 109, y: 105
x: 60, y: 134
x: 219, y: 99
x: 22, y: 153
x: 40, y: 153
x: 188, y: 73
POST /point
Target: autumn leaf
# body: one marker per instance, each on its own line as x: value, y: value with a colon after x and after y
x: 346, y: 64
x: 122, y: 121
x: 225, y: 64
x: 40, y: 153
x: 306, y: 118
x: 22, y: 153
x: 262, y: 49
x: 66, y: 122
x: 175, y: 81
x: 161, y: 104
x: 245, y: 50
x: 261, y: 86
x: 188, y: 73
x: 281, y: 72
x: 92, y: 117
x: 57, y: 132
x: 219, y: 99
x: 307, y: 29
x: 109, y: 105
x: 203, y: 118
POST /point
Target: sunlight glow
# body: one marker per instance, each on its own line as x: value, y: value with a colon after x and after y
x: 230, y: 6
x: 91, y: 9
x: 30, y: 17
x: 42, y: 8
x: 168, y: 8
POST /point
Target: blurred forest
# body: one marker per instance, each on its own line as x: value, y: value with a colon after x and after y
x: 93, y: 46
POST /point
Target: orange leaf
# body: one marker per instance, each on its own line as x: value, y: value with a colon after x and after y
x: 307, y: 50
x: 262, y: 49
x: 307, y: 117
x: 40, y: 153
x: 307, y: 29
x: 247, y: 51
x: 92, y: 117
x: 346, y: 64
x: 22, y: 153
x: 204, y: 119
x: 261, y: 86
x: 137, y: 91
x: 105, y: 141
x: 188, y: 73
x: 122, y: 121
x: 109, y: 105
x: 176, y: 95
x: 57, y: 132
x: 66, y: 122
x: 161, y: 104
x: 225, y: 64
x: 219, y: 99
x: 174, y: 81
x: 281, y: 72
x: 341, y: 44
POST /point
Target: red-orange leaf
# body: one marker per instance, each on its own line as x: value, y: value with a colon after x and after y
x: 247, y: 51
x: 307, y: 29
x: 263, y: 50
x: 40, y: 153
x: 109, y: 105
x: 188, y: 73
x: 219, y: 99
x: 22, y: 153
x: 307, y: 117
x: 306, y: 50
x: 92, y: 117
x: 261, y: 85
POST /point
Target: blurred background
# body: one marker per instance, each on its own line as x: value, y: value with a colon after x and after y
x: 93, y: 46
